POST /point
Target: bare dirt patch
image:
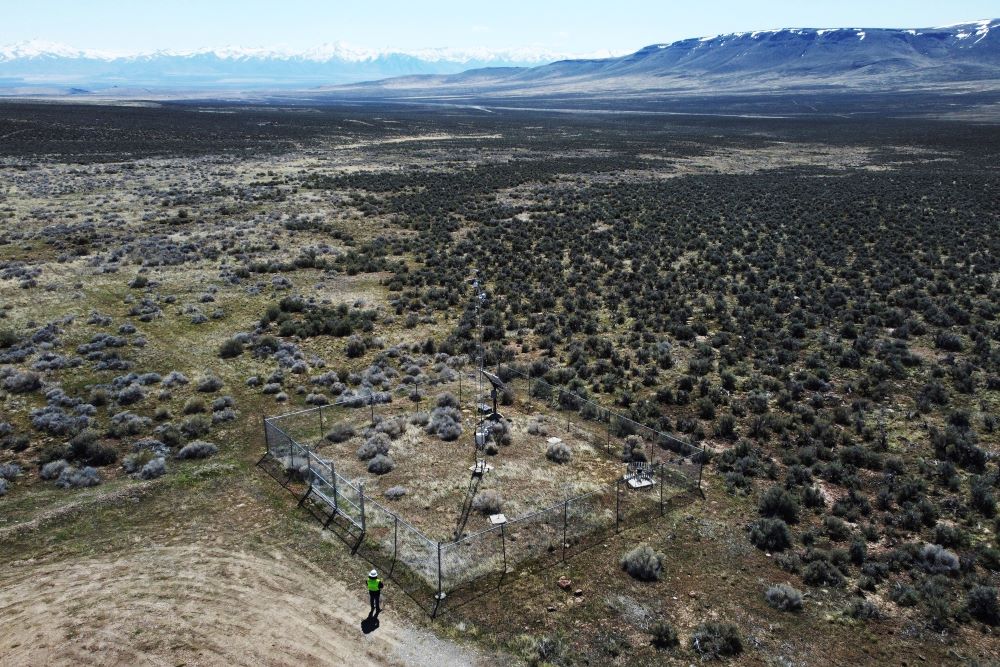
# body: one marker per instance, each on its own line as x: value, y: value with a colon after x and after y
x: 199, y: 604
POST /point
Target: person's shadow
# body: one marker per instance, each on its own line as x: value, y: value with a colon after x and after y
x: 369, y: 625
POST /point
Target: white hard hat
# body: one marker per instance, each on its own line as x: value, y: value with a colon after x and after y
x: 373, y: 574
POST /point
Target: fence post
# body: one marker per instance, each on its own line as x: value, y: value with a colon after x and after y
x: 321, y: 426
x: 618, y: 503
x: 395, y: 533
x: 503, y: 546
x: 333, y: 475
x: 267, y: 437
x: 440, y: 593
x: 361, y: 499
x: 609, y: 433
x: 565, y: 521
x: 661, y: 488
x: 460, y: 387
x: 701, y: 466
x: 371, y: 404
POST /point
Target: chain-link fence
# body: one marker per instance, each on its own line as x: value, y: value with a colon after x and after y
x: 616, y: 434
x: 430, y: 569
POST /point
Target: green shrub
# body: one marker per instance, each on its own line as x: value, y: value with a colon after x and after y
x: 85, y: 448
x: 7, y: 338
x: 713, y: 640
x: 981, y: 496
x: 836, y: 528
x: 230, y: 349
x: 863, y: 610
x: 195, y: 426
x: 664, y: 635
x: 780, y: 504
x: 822, y: 573
x: 981, y: 603
x: 770, y: 535
x: 813, y: 497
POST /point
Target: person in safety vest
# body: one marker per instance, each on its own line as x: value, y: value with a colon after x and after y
x: 374, y: 592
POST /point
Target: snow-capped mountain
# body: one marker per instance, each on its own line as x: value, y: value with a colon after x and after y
x: 56, y: 64
x: 854, y: 58
x: 857, y: 58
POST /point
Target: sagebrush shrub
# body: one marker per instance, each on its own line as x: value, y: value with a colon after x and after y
x: 634, y: 450
x: 381, y: 465
x: 779, y: 503
x: 488, y: 502
x: 208, y: 383
x: 9, y: 471
x: 784, y: 597
x: 445, y: 423
x: 822, y: 573
x: 663, y: 635
x: 392, y: 426
x: 134, y: 462
x: 198, y: 449
x: 85, y: 448
x: 836, y: 528
x: 770, y: 534
x: 935, y: 559
x: 340, y: 432
x: 377, y: 444
x: 22, y: 382
x: 446, y: 400
x: 153, y: 469
x: 981, y: 603
x: 53, y: 469
x: 863, y: 610
x: 196, y: 426
x: 558, y: 452
x: 231, y: 348
x: 713, y: 640
x: 78, y: 478
x: 537, y: 427
x: 643, y: 563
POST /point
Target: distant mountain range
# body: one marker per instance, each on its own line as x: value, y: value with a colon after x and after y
x: 964, y: 56
x: 961, y: 61
x: 40, y: 64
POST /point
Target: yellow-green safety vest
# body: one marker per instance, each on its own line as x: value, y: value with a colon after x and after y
x: 373, y: 584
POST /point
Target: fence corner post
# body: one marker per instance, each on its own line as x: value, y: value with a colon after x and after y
x: 267, y: 438
x: 440, y: 593
x: 361, y: 500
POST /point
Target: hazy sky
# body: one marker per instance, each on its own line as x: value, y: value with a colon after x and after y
x: 564, y: 26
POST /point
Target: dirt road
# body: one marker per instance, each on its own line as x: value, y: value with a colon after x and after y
x: 199, y: 605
